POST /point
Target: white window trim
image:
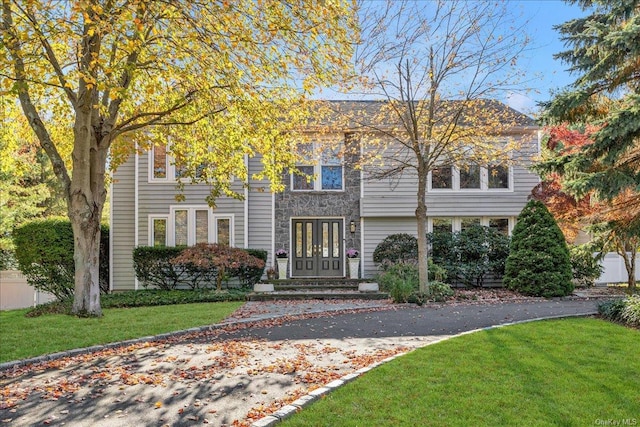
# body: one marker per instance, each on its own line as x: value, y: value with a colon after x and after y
x: 191, y: 229
x: 213, y: 227
x: 170, y: 168
x: 150, y: 228
x: 317, y: 171
x: 456, y: 221
x: 484, y: 183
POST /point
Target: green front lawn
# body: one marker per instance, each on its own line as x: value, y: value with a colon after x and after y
x: 572, y: 372
x: 22, y: 337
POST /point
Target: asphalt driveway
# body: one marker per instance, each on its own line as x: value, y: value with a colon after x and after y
x: 236, y: 374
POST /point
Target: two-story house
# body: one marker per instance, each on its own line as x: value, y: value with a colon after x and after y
x: 317, y: 217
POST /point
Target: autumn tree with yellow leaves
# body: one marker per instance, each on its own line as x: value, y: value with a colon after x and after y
x: 435, y: 68
x: 210, y: 78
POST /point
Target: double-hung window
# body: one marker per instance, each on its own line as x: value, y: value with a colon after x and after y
x: 498, y: 176
x: 321, y: 169
x: 470, y: 177
x: 163, y: 167
x: 186, y: 226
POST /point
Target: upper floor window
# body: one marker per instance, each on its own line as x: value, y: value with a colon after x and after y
x: 160, y: 163
x: 470, y: 177
x: 186, y: 226
x: 498, y: 176
x: 442, y: 178
x: 164, y: 167
x: 321, y: 169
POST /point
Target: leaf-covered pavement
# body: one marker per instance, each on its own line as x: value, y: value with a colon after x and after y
x: 236, y: 374
x: 186, y: 380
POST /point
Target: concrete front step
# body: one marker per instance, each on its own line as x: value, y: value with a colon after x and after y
x: 315, y: 287
x: 297, y: 289
x: 316, y: 294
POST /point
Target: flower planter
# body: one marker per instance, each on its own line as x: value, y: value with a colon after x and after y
x: 354, y: 267
x: 282, y: 268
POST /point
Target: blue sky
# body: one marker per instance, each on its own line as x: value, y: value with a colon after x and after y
x: 543, y: 73
x: 548, y: 73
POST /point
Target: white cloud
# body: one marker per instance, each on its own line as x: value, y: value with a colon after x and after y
x: 522, y: 103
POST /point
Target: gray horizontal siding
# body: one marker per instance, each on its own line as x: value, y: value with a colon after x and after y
x: 397, y: 196
x: 374, y: 230
x: 156, y: 198
x: 123, y: 227
x: 484, y: 203
x: 260, y: 212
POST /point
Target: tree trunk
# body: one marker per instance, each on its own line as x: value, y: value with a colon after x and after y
x: 421, y: 219
x: 630, y: 265
x: 86, y: 256
x: 86, y: 197
x: 629, y: 262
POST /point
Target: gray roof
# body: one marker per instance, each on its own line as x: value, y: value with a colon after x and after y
x: 354, y: 114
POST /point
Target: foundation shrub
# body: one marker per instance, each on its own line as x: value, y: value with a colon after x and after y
x: 211, y: 264
x: 585, y: 267
x: 469, y: 255
x: 438, y: 292
x: 153, y: 267
x: 396, y: 248
x: 400, y: 280
x: 44, y: 253
x: 538, y: 263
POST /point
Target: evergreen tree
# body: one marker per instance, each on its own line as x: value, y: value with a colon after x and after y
x: 538, y: 263
x: 604, y: 52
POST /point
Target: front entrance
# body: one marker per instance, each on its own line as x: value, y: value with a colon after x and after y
x: 317, y: 248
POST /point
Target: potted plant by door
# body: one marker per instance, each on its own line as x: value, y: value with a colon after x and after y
x: 282, y: 257
x: 353, y: 256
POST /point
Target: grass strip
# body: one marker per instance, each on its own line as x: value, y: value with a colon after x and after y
x: 23, y: 337
x: 570, y: 372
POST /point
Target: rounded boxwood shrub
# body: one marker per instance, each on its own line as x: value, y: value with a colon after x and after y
x: 44, y: 251
x: 400, y: 280
x: 395, y: 248
x: 538, y: 263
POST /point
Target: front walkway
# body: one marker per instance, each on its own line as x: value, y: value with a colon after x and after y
x: 236, y: 374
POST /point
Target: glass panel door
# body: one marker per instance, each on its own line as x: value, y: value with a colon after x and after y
x: 318, y: 248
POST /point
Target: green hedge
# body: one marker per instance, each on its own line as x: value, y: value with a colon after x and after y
x: 154, y: 270
x: 144, y: 298
x: 469, y: 255
x: 44, y: 251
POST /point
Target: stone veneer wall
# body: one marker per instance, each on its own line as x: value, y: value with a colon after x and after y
x: 344, y: 204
